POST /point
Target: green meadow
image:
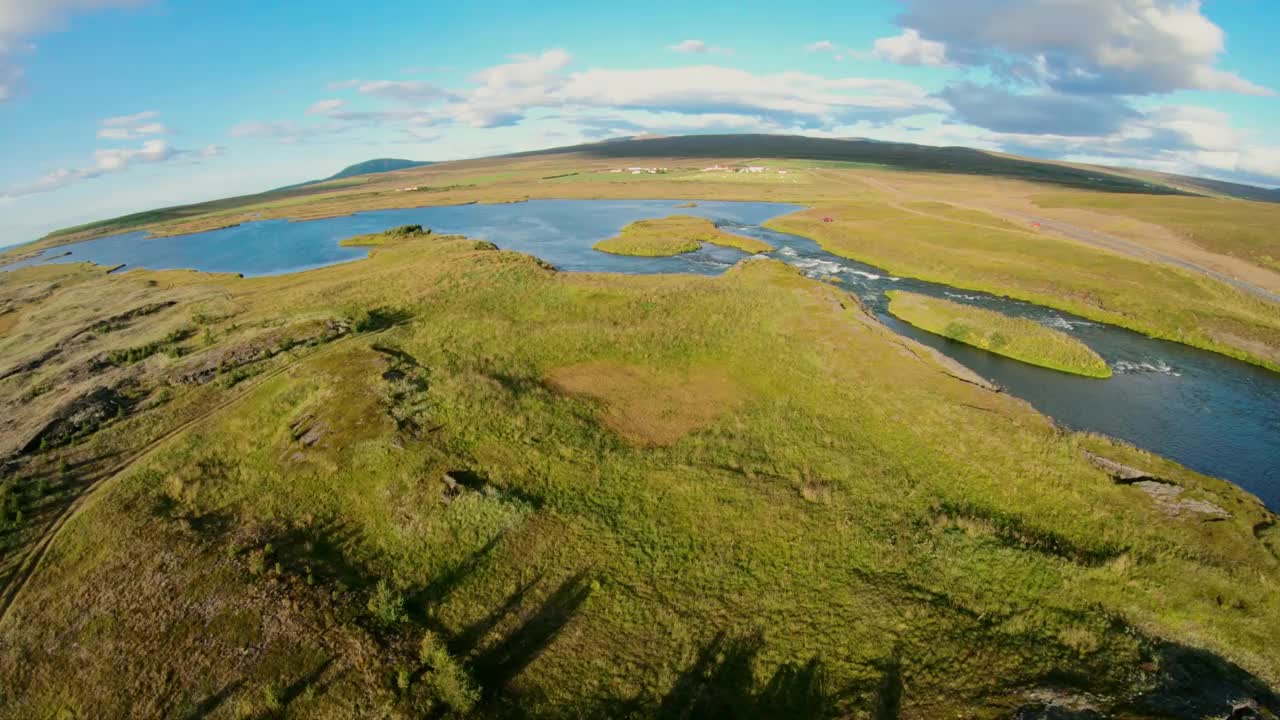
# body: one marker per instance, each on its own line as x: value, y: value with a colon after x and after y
x: 347, y: 492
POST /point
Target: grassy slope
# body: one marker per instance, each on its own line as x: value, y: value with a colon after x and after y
x: 674, y: 235
x: 850, y: 531
x: 1239, y: 229
x: 1018, y: 338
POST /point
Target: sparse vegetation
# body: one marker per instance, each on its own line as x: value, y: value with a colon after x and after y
x: 1018, y: 338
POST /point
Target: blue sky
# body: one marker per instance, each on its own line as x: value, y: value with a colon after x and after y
x: 114, y: 106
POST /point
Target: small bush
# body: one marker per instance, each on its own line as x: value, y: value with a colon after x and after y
x: 444, y: 681
x: 386, y: 605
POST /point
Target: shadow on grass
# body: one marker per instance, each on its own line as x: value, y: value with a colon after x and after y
x: 721, y: 683
x: 380, y: 318
x: 211, y: 704
x: 1194, y: 683
x: 318, y: 551
x: 495, y: 667
x: 297, y: 687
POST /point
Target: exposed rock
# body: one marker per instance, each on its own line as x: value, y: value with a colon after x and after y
x: 78, y: 416
x: 207, y: 365
x: 1120, y: 472
x: 307, y: 432
x: 1168, y: 497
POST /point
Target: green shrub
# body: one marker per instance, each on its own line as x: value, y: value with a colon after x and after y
x: 386, y: 605
x: 444, y: 681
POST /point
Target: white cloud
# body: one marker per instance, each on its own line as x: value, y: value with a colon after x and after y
x: 788, y: 97
x: 152, y: 151
x: 698, y: 47
x: 404, y: 90
x: 111, y: 160
x: 1132, y: 47
x: 209, y: 151
x: 325, y: 107
x: 130, y: 120
x: 132, y: 127
x: 911, y: 49
x: 507, y: 93
x: 822, y: 46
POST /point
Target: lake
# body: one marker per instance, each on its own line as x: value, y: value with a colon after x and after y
x: 1211, y: 413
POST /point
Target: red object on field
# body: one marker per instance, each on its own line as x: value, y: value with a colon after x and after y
x: 828, y: 219
x: 1035, y: 224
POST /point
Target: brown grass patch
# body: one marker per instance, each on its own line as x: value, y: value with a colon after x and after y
x: 7, y: 321
x: 647, y: 407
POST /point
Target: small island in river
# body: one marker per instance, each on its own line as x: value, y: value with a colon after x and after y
x: 1017, y: 338
x: 675, y: 235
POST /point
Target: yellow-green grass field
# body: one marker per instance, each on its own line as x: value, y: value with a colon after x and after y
x: 674, y: 235
x: 1018, y: 338
x: 347, y: 492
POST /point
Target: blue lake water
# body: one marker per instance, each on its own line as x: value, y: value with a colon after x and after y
x: 1211, y: 413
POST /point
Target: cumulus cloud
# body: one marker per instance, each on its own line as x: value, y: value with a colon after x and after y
x: 790, y: 97
x: 698, y: 47
x: 105, y: 161
x: 1132, y: 47
x: 115, y: 159
x: 1051, y: 113
x: 822, y: 46
x: 22, y: 19
x: 911, y: 49
x: 132, y: 127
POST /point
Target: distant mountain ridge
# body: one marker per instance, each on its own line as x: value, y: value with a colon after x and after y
x: 908, y: 156
x: 368, y: 167
x: 378, y: 165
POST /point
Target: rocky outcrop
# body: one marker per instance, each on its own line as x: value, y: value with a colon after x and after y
x: 1166, y: 494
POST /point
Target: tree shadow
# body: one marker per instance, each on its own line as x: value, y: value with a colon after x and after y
x: 721, y: 684
x: 297, y: 687
x: 496, y: 667
x: 317, y: 552
x: 443, y: 584
x: 214, y: 701
x: 1195, y: 683
x: 466, y: 641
